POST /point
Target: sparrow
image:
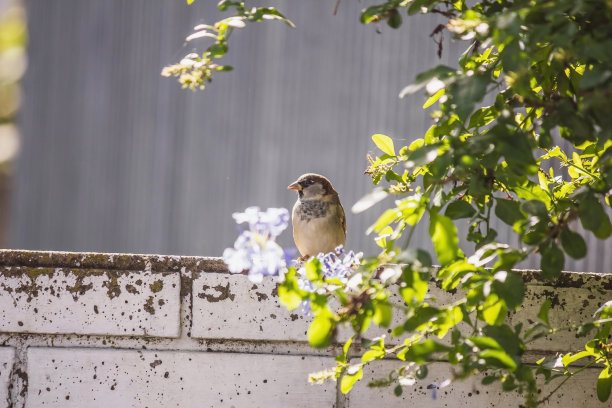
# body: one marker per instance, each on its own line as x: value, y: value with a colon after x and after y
x: 319, y: 224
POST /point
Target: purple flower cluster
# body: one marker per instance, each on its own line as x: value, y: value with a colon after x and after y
x: 256, y: 250
x: 337, y: 264
x: 336, y: 267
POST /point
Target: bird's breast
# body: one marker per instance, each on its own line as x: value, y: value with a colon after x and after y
x: 316, y: 227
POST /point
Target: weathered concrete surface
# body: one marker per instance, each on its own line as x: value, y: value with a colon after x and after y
x: 206, y: 324
x: 569, y: 306
x: 231, y: 307
x: 580, y: 392
x: 7, y: 359
x: 89, y: 301
x: 129, y: 378
x: 574, y: 299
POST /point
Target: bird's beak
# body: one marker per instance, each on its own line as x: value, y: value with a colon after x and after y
x: 295, y: 186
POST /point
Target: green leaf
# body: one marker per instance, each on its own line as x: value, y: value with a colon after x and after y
x: 321, y: 330
x: 386, y: 218
x: 424, y: 315
x: 440, y: 72
x: 415, y: 287
x: 484, y: 342
x: 417, y: 6
x: 604, y: 311
x: 604, y: 384
x: 420, y: 353
x: 509, y: 211
x: 384, y: 143
x: 499, y: 358
x: 552, y: 261
x: 494, y: 310
x: 508, y: 384
x: 343, y: 358
x: 421, y: 372
x: 573, y: 244
x: 466, y: 91
x: 289, y: 293
x: 371, y: 355
x: 444, y: 237
x: 452, y: 274
x: 313, y: 269
x: 459, y: 209
x: 506, y: 337
x: 348, y: 380
x: 447, y: 319
x: 370, y: 14
x: 543, y: 313
x: 509, y: 286
x: 569, y: 358
x: 489, y: 379
x: 433, y: 98
x: 394, y: 20
x: 584, y: 329
x: 382, y: 313
x: 532, y: 191
x: 422, y: 156
x: 482, y: 117
x: 593, y: 217
x: 535, y: 207
x: 605, y: 228
x: 217, y: 50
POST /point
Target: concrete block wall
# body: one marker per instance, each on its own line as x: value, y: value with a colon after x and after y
x: 99, y: 330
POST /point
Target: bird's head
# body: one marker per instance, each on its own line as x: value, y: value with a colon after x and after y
x: 312, y: 186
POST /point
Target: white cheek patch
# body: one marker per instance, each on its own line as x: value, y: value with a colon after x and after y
x: 313, y: 190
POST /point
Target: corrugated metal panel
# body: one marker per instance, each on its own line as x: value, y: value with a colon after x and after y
x: 117, y: 158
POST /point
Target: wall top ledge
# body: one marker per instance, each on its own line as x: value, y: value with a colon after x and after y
x: 110, y: 261
x: 172, y: 263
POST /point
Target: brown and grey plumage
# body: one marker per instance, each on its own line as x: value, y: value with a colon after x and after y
x: 319, y: 224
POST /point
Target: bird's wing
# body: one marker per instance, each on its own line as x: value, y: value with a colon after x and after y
x: 341, y: 215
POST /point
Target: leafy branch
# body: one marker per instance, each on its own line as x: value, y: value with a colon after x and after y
x: 545, y: 67
x: 194, y: 71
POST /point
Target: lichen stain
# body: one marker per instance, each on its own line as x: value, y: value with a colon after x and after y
x: 224, y: 293
x: 157, y: 286
x: 113, y: 288
x: 131, y: 289
x: 148, y: 306
x: 79, y: 289
x: 31, y: 288
x: 186, y: 285
x: 261, y: 296
x: 554, y: 298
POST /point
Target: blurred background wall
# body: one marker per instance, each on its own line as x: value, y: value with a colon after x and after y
x: 116, y: 158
